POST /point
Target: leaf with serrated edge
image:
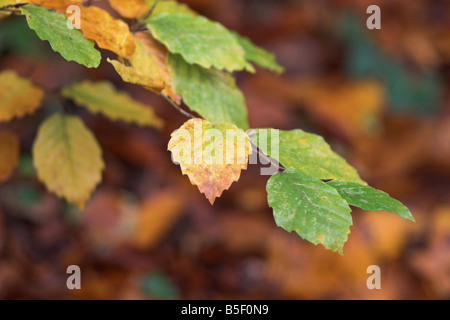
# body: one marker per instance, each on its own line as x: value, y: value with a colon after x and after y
x: 199, y: 40
x: 310, y: 207
x: 18, y: 96
x: 117, y: 105
x: 67, y: 158
x: 98, y: 25
x: 70, y: 43
x: 368, y: 198
x: 307, y: 152
x: 258, y: 55
x: 148, y: 67
x: 9, y: 154
x: 210, y: 158
x: 211, y: 93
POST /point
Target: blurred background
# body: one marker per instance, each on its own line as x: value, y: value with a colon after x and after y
x: 381, y: 98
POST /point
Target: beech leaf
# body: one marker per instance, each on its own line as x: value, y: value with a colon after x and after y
x: 212, y: 156
x: 117, y: 105
x: 70, y: 43
x: 67, y: 158
x: 211, y: 93
x: 18, y: 96
x: 368, y: 198
x: 310, y: 207
x: 199, y: 40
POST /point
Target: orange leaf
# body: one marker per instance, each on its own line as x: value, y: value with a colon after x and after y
x: 156, y: 216
x: 130, y: 8
x: 98, y: 25
x: 9, y: 154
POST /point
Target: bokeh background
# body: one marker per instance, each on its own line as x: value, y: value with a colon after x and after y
x: 381, y: 98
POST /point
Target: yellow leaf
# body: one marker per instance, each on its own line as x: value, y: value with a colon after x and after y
x: 148, y: 67
x: 102, y: 97
x: 4, y: 3
x: 130, y: 8
x: 9, y: 154
x: 212, y: 156
x: 98, y: 25
x: 132, y: 75
x: 68, y: 158
x: 155, y: 53
x: 18, y: 96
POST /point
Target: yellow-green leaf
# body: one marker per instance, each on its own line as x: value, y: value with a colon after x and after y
x: 18, y: 96
x: 102, y: 97
x: 67, y: 158
x: 212, y: 156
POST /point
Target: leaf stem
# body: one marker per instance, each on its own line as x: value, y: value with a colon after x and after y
x: 271, y: 160
x: 150, y: 12
x: 177, y: 107
x: 140, y: 25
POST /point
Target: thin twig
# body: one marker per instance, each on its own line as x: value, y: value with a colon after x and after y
x: 185, y: 113
x: 140, y: 25
x: 281, y: 168
x: 271, y: 160
x: 150, y: 12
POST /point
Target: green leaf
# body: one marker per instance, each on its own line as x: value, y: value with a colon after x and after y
x: 211, y: 93
x: 117, y: 105
x: 70, y: 43
x: 307, y: 152
x: 199, y: 40
x: 258, y: 55
x: 309, y: 207
x: 368, y: 198
x: 67, y: 158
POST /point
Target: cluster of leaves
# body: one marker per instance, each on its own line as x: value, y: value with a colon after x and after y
x: 182, y: 56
